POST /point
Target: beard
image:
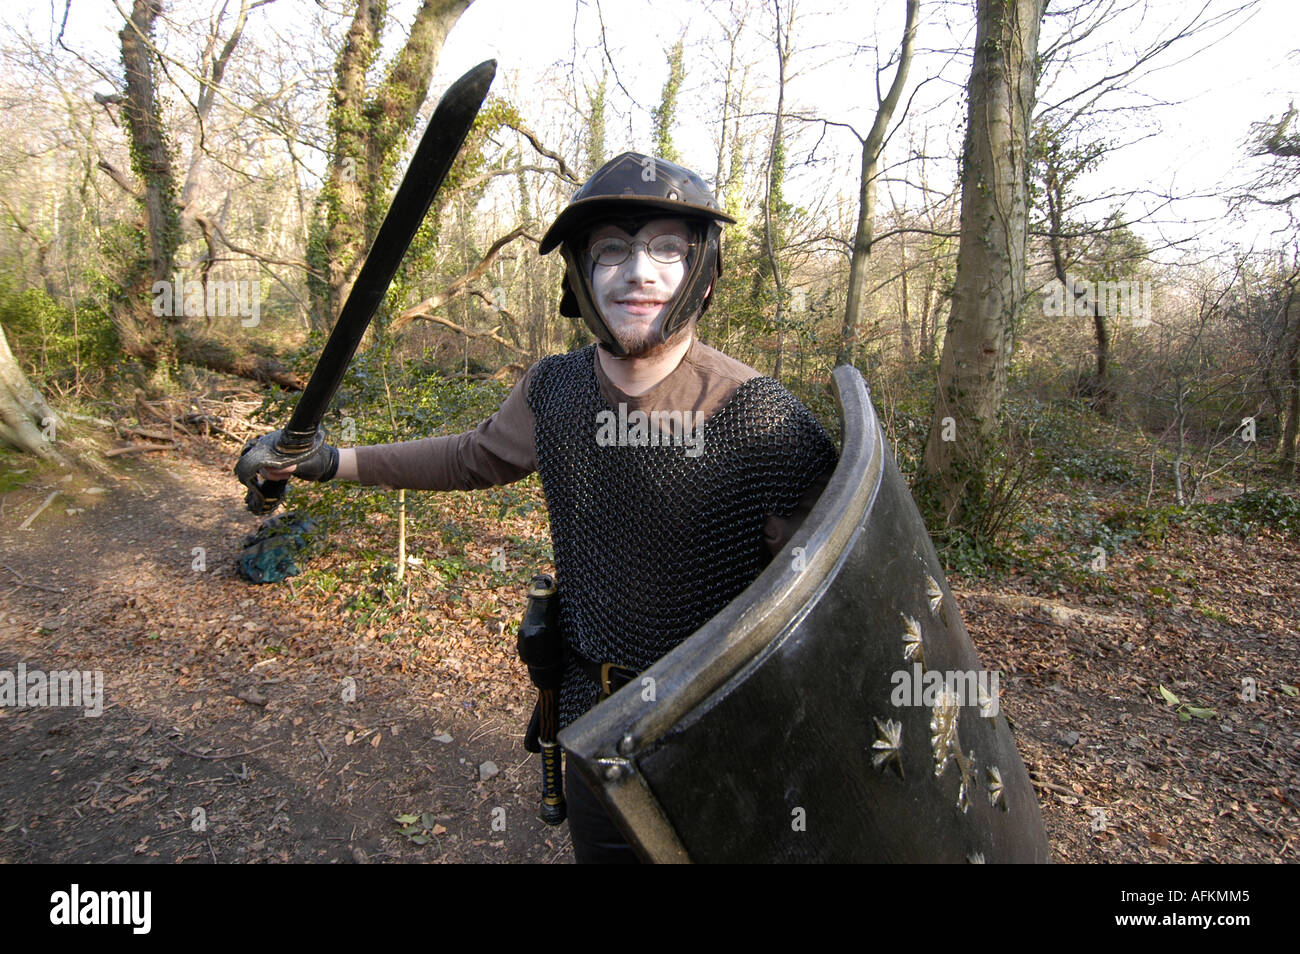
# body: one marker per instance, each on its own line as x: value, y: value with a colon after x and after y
x: 642, y: 341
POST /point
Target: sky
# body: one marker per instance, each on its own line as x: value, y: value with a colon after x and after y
x: 1193, y: 144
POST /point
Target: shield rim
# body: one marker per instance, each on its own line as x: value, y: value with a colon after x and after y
x: 605, y: 743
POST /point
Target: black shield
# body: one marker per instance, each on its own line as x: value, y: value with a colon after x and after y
x: 835, y: 711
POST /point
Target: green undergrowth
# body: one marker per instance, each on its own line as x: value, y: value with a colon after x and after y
x: 54, y: 342
x: 1082, y: 499
x: 459, y: 545
x: 473, y: 550
x: 1077, y: 506
x: 1071, y: 542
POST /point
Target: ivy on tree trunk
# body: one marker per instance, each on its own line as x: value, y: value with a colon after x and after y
x: 369, y: 127
x: 990, y: 286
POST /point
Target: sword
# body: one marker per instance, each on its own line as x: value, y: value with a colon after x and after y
x: 438, y: 148
x: 541, y: 647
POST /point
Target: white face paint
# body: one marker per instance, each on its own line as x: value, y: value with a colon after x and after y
x: 632, y: 296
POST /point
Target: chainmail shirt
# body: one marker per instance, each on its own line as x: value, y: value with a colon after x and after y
x: 653, y: 538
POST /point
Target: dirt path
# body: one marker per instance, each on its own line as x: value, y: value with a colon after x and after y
x: 179, y: 767
x: 225, y: 734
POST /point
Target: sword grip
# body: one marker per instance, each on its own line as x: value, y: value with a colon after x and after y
x: 553, y: 809
x: 264, y: 496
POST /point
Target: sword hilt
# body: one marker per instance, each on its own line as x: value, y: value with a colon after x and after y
x: 276, y: 450
x: 264, y: 496
x: 542, y: 650
x: 553, y: 809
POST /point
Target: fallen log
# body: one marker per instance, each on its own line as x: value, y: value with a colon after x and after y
x: 138, y: 449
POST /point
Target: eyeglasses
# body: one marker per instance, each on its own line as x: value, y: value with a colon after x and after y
x: 664, y: 249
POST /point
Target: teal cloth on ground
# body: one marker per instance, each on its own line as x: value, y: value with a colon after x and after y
x: 268, y: 555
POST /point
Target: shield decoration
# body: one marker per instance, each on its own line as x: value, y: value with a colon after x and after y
x: 835, y: 711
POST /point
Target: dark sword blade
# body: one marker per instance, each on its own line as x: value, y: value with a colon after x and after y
x: 446, y: 133
x: 442, y: 140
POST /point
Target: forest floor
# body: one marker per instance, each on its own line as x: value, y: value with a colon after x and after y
x: 229, y: 731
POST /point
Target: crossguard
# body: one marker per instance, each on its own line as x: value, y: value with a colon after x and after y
x: 270, y: 451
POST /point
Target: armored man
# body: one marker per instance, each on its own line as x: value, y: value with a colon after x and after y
x: 672, y: 473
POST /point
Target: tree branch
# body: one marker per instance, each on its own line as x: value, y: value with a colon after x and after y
x: 120, y: 178
x: 458, y: 287
x: 536, y: 143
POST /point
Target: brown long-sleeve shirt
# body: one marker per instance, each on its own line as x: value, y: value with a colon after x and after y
x: 501, y: 450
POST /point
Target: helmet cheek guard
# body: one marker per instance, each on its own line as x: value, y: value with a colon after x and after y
x: 628, y: 191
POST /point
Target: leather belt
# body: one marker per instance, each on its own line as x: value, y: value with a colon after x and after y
x: 609, y: 676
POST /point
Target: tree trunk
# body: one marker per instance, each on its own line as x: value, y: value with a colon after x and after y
x: 143, y: 334
x: 369, y: 132
x: 1102, y: 400
x: 1180, y: 418
x: 990, y: 286
x: 1287, y: 449
x: 26, y: 421
x: 905, y: 323
x: 217, y: 356
x: 929, y: 331
x: 871, y: 148
x: 772, y: 195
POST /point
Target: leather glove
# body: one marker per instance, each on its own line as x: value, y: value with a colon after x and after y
x: 321, y: 464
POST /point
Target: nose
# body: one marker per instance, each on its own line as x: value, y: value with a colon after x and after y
x: 640, y: 267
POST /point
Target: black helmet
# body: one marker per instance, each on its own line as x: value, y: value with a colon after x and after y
x: 628, y: 191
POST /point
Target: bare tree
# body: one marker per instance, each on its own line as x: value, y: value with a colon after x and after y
x: 990, y: 286
x: 1279, y: 142
x: 872, y: 145
x: 156, y: 336
x: 1071, y: 139
x: 732, y: 93
x: 775, y: 173
x: 1288, y: 447
x: 1265, y: 314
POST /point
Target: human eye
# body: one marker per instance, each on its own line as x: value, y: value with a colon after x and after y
x: 669, y: 248
x: 609, y: 251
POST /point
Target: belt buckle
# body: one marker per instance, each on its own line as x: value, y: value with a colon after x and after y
x: 605, y: 686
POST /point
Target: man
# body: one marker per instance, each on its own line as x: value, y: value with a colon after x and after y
x: 672, y: 473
